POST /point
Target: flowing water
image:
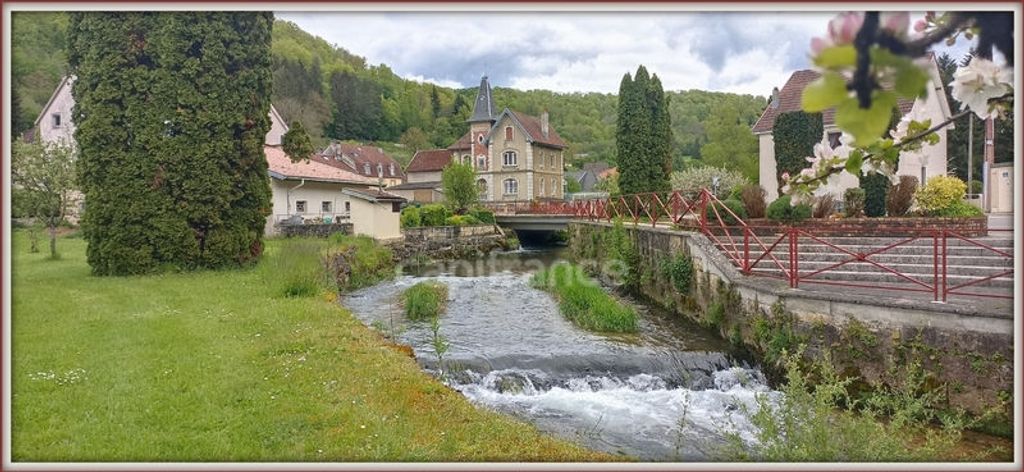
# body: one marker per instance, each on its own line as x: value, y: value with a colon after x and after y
x: 672, y: 391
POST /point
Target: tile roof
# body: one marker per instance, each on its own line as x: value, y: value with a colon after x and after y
x: 281, y: 166
x: 431, y: 160
x: 360, y: 155
x: 789, y: 100
x: 416, y: 186
x: 463, y: 143
x: 373, y: 195
x: 533, y: 129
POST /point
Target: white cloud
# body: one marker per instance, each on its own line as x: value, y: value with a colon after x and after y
x: 578, y: 52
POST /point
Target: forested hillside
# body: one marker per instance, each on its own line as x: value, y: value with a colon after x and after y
x: 314, y: 79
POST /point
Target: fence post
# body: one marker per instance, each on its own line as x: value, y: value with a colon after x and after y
x: 746, y: 250
x: 794, y: 270
x: 935, y: 264
x: 703, y: 215
x: 944, y: 269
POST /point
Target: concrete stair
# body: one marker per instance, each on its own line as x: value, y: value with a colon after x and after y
x: 965, y: 262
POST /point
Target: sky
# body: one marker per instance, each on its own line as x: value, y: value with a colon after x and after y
x: 739, y: 52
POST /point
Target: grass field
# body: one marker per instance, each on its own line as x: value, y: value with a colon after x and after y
x: 215, y: 366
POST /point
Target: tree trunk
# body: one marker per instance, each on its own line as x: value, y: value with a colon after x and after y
x: 33, y: 235
x: 53, y: 241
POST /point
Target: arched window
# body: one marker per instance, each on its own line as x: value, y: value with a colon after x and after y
x: 508, y: 133
x: 509, y: 159
x: 481, y: 162
x: 481, y: 186
x: 511, y: 186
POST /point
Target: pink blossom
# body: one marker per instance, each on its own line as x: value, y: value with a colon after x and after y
x: 920, y: 25
x: 844, y: 27
x: 895, y: 22
x: 819, y: 44
x: 785, y: 176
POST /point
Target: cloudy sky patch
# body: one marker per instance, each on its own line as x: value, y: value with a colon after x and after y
x: 579, y: 52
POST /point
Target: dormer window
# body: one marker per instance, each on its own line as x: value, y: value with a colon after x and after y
x: 366, y: 168
x: 56, y: 120
x: 391, y: 169
x: 508, y: 133
x: 380, y: 169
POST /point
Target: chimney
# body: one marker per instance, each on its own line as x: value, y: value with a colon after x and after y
x: 544, y: 123
x: 775, y: 97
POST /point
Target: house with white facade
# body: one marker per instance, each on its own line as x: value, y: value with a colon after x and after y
x: 925, y: 163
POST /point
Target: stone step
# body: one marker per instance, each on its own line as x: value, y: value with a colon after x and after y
x: 918, y: 250
x: 907, y: 269
x: 1001, y: 243
x: 886, y: 258
x: 889, y: 278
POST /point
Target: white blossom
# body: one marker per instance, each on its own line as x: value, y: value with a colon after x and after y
x: 978, y: 82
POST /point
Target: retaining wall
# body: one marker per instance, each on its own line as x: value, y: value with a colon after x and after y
x: 320, y: 230
x: 870, y: 336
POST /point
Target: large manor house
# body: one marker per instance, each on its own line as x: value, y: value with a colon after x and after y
x: 516, y: 156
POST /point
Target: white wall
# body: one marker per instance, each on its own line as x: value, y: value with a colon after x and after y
x: 277, y: 130
x: 61, y: 105
x: 314, y: 193
x: 766, y: 165
x: 1001, y: 184
x: 376, y: 220
x: 423, y: 176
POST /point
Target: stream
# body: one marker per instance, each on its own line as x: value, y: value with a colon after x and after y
x: 673, y: 391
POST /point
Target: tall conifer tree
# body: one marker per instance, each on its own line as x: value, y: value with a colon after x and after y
x: 643, y: 135
x: 171, y: 113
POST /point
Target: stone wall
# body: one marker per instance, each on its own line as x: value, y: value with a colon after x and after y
x: 446, y: 233
x: 448, y: 242
x: 319, y: 230
x: 871, y: 337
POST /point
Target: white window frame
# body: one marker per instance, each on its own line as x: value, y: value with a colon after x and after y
x: 56, y: 120
x: 510, y: 186
x: 366, y: 168
x: 391, y: 169
x: 326, y: 206
x: 300, y: 207
x: 510, y: 158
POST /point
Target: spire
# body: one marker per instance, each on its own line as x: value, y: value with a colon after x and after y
x: 483, y: 108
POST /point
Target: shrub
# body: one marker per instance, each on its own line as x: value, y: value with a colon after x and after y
x: 618, y: 246
x: 679, y: 270
x: 876, y: 187
x: 782, y: 210
x: 959, y: 209
x: 794, y: 136
x: 583, y: 301
x: 735, y: 206
x: 824, y: 206
x: 938, y: 193
x: 410, y: 217
x: 298, y: 268
x: 434, y: 214
x: 364, y: 261
x: 424, y: 300
x: 461, y: 220
x: 901, y: 196
x: 753, y: 197
x: 483, y: 215
x: 853, y: 202
x: 690, y: 181
x: 976, y: 187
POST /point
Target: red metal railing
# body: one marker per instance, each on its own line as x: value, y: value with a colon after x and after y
x: 756, y: 250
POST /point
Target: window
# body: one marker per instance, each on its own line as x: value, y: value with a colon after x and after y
x: 540, y: 160
x: 300, y: 206
x: 511, y: 186
x: 508, y: 133
x: 480, y: 138
x: 510, y: 159
x: 551, y: 161
x: 541, y: 188
x: 554, y: 187
x: 56, y: 120
x: 396, y: 207
x: 924, y: 173
x: 348, y: 207
x: 833, y: 139
x: 366, y: 168
x: 391, y: 169
x: 325, y: 207
x: 481, y: 186
x: 481, y: 162
x: 380, y: 169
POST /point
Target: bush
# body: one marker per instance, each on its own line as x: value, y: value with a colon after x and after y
x: 853, y: 202
x: 365, y: 261
x: 794, y: 136
x: 959, y: 209
x: 690, y: 181
x: 901, y: 196
x: 940, y: 192
x: 411, y: 217
x: 782, y: 210
x: 735, y: 206
x: 424, y: 300
x: 483, y: 215
x: 434, y: 214
x: 876, y: 188
x: 753, y: 197
x: 583, y: 301
x: 679, y: 270
x: 298, y: 268
x: 976, y: 187
x: 824, y: 206
x: 461, y: 220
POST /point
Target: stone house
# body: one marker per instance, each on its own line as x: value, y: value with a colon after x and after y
x: 367, y: 161
x: 423, y: 176
x: 923, y: 164
x: 516, y: 156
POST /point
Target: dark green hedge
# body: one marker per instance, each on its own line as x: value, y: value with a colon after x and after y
x: 171, y: 112
x: 795, y: 134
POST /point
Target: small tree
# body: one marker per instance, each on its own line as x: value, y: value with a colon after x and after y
x: 296, y: 142
x: 46, y: 175
x: 459, y: 184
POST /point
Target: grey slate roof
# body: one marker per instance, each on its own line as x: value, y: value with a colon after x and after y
x: 483, y: 108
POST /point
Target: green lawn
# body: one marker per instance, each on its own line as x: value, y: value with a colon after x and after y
x: 210, y: 366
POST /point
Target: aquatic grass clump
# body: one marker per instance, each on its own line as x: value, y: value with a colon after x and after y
x: 425, y: 300
x: 583, y: 301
